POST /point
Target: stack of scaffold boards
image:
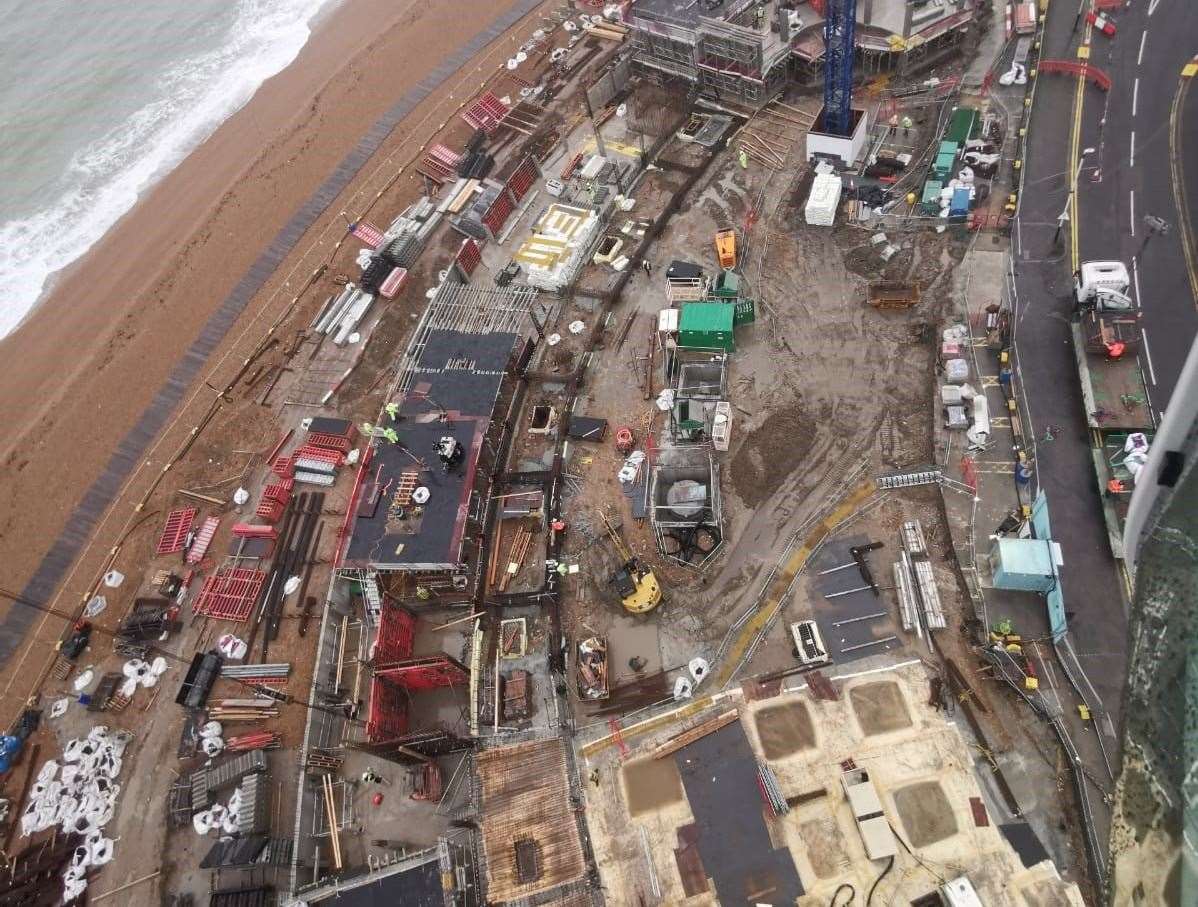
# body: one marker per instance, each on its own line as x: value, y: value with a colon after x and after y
x: 823, y: 200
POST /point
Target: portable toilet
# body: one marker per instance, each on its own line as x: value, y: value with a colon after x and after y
x: 706, y: 326
x: 958, y: 206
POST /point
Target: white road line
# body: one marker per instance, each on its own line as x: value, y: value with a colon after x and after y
x: 1143, y: 38
x: 1132, y: 160
x: 1135, y: 95
x: 1148, y: 356
x: 1152, y: 5
x: 1131, y: 198
x: 1135, y: 274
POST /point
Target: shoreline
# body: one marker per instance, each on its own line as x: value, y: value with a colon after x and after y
x: 89, y: 360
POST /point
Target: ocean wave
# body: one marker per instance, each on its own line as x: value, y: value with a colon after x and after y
x: 104, y: 180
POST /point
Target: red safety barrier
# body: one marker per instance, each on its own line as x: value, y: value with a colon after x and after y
x: 1072, y: 67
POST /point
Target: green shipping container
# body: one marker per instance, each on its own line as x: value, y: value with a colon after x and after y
x: 931, y: 196
x: 962, y: 125
x: 947, y: 147
x: 707, y: 326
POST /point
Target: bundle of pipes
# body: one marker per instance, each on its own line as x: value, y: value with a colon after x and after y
x: 255, y: 740
x: 330, y: 805
x: 282, y: 669
x: 293, y: 552
x: 771, y: 791
x: 230, y: 710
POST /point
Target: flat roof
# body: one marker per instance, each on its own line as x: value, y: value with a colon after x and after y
x: 452, y: 392
x: 719, y: 774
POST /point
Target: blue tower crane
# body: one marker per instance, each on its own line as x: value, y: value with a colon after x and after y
x: 840, y: 23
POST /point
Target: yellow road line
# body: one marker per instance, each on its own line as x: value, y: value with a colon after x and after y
x: 1075, y: 138
x: 1179, y: 182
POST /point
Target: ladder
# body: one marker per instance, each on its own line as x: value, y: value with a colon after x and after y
x: 203, y: 539
x: 374, y: 600
x: 618, y: 737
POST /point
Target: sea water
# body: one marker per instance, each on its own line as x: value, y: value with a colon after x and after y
x: 100, y: 98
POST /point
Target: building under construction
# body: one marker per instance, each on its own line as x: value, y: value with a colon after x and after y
x: 741, y: 53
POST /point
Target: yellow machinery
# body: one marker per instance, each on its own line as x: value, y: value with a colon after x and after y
x: 634, y: 581
x: 725, y: 248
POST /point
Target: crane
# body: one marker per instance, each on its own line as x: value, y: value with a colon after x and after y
x: 840, y: 23
x: 635, y: 582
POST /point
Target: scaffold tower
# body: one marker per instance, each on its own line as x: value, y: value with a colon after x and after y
x: 839, y: 27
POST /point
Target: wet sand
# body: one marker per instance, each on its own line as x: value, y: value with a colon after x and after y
x: 75, y: 377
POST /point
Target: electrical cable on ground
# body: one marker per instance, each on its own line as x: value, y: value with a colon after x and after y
x: 836, y: 894
x: 874, y: 887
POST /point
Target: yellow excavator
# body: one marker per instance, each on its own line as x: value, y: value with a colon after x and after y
x: 635, y: 582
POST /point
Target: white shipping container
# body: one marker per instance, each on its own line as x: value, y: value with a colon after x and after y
x: 823, y: 200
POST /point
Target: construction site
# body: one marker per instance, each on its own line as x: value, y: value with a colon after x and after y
x: 580, y: 535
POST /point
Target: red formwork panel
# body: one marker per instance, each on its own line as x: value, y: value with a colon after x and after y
x: 486, y: 112
x: 396, y: 636
x: 441, y: 161
x: 203, y: 539
x: 256, y: 531
x: 230, y: 593
x: 428, y: 673
x: 523, y: 178
x: 387, y: 717
x: 283, y: 466
x: 174, y: 533
x: 469, y: 256
x: 393, y: 283
x: 338, y: 443
x: 279, y: 491
x: 314, y: 454
x: 501, y: 209
x: 269, y: 510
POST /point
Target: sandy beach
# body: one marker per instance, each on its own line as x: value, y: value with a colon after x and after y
x: 75, y: 377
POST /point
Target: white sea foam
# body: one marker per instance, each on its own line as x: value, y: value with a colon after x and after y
x: 104, y: 179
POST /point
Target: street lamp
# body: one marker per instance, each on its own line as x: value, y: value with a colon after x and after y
x: 1063, y: 217
x: 1156, y: 226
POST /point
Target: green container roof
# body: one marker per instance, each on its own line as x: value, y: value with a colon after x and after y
x: 962, y: 124
x: 706, y: 317
x: 931, y: 190
x: 949, y: 147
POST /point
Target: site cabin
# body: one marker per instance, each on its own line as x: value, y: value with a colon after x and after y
x: 875, y: 828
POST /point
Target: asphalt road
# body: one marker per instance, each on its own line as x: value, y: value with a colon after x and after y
x: 1144, y: 59
x: 1118, y: 185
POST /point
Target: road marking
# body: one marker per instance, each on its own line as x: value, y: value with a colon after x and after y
x: 1135, y: 95
x: 1143, y: 38
x: 1132, y: 160
x: 1131, y: 196
x: 1179, y: 185
x: 1152, y: 5
x: 1148, y: 356
x: 1135, y: 276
